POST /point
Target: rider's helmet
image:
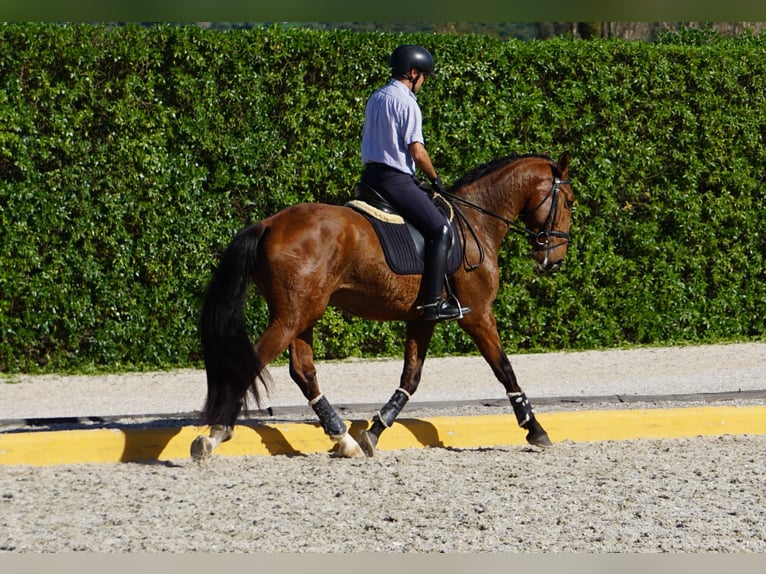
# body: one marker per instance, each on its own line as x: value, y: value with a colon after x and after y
x: 408, y: 56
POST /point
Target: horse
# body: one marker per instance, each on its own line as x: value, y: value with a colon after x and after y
x: 309, y: 256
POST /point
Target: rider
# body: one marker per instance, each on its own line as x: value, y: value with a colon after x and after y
x: 392, y: 149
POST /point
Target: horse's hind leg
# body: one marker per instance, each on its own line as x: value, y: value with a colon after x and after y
x: 220, y: 431
x: 203, y: 446
x: 272, y: 342
x: 418, y: 337
x: 303, y: 372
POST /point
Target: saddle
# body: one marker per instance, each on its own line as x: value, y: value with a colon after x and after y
x: 403, y: 245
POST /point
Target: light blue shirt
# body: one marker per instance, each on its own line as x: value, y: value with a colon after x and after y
x: 392, y: 121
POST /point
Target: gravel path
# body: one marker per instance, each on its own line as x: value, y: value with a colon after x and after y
x: 706, y: 494
x: 611, y: 373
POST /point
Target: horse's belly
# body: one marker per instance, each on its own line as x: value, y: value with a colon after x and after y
x: 382, y: 300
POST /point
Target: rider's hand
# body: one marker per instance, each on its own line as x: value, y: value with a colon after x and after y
x: 437, y: 185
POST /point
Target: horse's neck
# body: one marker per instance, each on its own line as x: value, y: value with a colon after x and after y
x: 501, y: 194
x: 486, y: 229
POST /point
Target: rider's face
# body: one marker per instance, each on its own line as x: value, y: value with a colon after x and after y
x: 420, y: 79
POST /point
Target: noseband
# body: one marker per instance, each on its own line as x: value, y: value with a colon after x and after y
x: 542, y: 238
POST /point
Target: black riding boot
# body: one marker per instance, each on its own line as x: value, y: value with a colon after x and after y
x: 435, y: 308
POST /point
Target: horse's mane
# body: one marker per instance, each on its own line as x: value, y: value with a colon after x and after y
x: 490, y: 166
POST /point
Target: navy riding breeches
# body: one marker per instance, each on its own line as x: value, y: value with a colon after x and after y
x: 402, y: 191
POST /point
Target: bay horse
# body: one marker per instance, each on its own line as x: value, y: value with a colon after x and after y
x: 309, y: 256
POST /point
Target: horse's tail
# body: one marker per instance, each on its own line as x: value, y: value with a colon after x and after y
x: 231, y: 363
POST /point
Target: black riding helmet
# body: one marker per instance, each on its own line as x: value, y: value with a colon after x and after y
x: 408, y: 56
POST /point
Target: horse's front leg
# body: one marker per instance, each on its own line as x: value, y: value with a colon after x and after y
x: 303, y: 372
x: 483, y: 330
x: 418, y: 337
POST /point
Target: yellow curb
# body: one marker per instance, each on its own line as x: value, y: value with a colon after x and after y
x: 47, y: 448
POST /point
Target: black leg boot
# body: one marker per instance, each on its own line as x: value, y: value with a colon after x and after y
x: 435, y: 308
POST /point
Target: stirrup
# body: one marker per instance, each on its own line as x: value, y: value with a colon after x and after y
x: 443, y: 310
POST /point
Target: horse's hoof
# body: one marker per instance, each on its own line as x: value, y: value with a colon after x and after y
x: 348, y: 447
x: 201, y: 449
x: 368, y: 442
x: 539, y: 439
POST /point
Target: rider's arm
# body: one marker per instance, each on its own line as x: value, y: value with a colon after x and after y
x: 423, y: 160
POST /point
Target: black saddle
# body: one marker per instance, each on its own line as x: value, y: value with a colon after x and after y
x: 403, y: 245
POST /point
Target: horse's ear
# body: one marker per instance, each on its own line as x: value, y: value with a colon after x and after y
x: 563, y: 164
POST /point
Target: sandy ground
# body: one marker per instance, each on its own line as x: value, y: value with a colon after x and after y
x: 704, y: 494
x: 645, y: 496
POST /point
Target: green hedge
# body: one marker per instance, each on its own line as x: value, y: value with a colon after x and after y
x: 130, y: 156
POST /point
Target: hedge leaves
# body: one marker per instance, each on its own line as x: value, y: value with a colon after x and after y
x: 130, y: 156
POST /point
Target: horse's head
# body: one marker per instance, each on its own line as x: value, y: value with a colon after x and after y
x: 547, y: 215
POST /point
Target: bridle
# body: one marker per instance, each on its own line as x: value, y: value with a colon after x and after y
x: 541, y: 239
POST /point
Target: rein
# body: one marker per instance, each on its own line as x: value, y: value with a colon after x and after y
x: 541, y: 238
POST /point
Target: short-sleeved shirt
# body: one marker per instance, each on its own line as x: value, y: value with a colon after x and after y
x: 392, y: 121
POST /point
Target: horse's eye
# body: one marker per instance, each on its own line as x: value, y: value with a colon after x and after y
x: 568, y: 203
